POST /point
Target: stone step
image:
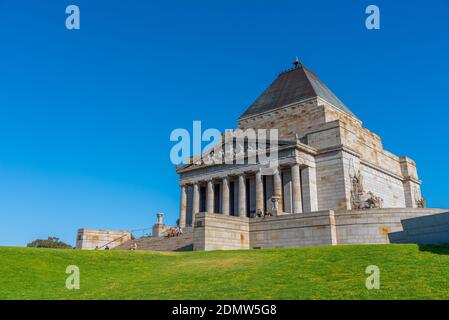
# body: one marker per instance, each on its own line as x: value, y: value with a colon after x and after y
x: 183, y: 242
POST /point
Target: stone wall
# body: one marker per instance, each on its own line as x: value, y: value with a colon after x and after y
x: 219, y: 232
x: 322, y: 228
x: 366, y: 143
x: 331, y: 182
x: 324, y: 135
x: 89, y: 239
x: 381, y: 182
x: 290, y: 120
x: 373, y: 226
x: 293, y: 230
x: 388, y: 187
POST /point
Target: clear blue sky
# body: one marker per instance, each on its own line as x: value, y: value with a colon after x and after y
x: 85, y: 116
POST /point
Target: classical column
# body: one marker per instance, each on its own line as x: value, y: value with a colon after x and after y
x: 242, y: 196
x: 259, y: 192
x: 225, y: 196
x: 210, y: 197
x: 309, y: 189
x: 296, y: 189
x: 183, y: 207
x: 278, y: 188
x: 196, y: 202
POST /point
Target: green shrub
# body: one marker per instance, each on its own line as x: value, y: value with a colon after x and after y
x: 51, y: 242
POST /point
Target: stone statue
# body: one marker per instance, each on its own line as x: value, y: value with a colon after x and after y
x: 361, y: 199
x: 274, y: 205
x: 373, y: 201
x: 357, y: 191
x: 421, y: 203
x: 357, y: 183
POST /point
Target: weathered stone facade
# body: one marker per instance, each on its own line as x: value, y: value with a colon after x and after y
x: 320, y: 228
x: 328, y: 166
x: 91, y: 239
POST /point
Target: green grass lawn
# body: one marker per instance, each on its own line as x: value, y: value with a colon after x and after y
x: 407, y: 272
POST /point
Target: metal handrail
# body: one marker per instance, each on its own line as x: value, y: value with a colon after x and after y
x: 130, y: 231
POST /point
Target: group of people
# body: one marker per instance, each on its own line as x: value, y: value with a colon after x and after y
x: 173, y: 232
x: 98, y: 248
x: 261, y: 214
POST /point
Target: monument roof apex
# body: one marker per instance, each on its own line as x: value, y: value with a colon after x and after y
x: 294, y: 85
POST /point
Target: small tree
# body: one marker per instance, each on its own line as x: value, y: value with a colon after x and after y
x: 51, y: 242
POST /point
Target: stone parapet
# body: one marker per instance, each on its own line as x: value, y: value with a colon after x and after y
x: 220, y: 232
x: 320, y: 228
x: 293, y: 230
x: 374, y: 225
x: 90, y: 239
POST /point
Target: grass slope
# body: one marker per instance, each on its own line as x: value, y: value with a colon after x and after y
x: 407, y: 272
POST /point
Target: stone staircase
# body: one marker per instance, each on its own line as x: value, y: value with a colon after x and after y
x: 183, y: 242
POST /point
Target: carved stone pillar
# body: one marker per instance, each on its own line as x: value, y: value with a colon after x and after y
x: 259, y: 193
x: 242, y: 196
x: 225, y: 196
x: 210, y: 197
x: 183, y: 207
x: 196, y: 202
x: 310, y: 200
x: 296, y: 189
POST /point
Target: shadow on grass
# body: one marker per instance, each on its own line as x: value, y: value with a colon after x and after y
x: 440, y: 249
x: 188, y: 247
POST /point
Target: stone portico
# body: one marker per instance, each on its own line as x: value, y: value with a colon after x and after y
x: 327, y: 165
x: 244, y: 190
